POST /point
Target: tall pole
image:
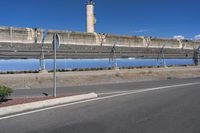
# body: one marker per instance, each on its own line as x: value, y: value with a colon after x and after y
x: 56, y: 45
x: 54, y: 74
x: 11, y: 36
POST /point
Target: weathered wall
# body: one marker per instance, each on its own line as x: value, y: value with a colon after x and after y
x: 126, y: 41
x: 12, y: 34
x: 29, y: 35
x: 26, y: 43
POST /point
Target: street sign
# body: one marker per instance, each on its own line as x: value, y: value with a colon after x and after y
x: 56, y: 45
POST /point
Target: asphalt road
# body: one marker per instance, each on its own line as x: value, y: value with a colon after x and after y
x: 168, y: 110
x: 101, y: 89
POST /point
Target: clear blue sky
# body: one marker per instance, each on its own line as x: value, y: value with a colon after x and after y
x: 159, y: 18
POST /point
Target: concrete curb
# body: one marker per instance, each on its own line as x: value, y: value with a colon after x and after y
x: 46, y: 103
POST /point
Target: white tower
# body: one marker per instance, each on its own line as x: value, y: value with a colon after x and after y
x: 90, y: 18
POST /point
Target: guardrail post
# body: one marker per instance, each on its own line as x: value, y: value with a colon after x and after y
x: 196, y: 56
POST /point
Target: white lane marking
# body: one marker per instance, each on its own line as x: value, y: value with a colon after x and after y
x: 113, y: 92
x: 100, y: 98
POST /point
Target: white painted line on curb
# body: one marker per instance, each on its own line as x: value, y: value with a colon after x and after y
x: 44, y: 104
x: 101, y: 98
x: 114, y: 92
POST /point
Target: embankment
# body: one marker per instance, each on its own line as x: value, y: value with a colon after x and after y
x: 45, y: 80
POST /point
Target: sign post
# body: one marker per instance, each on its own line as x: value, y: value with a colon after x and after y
x: 56, y: 45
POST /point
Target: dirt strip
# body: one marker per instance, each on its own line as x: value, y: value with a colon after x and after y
x: 45, y: 80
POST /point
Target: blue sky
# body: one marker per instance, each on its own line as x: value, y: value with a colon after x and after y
x: 158, y: 18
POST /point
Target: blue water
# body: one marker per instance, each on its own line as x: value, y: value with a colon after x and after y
x: 33, y: 64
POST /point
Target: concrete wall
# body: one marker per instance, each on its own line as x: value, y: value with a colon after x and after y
x: 13, y: 34
x: 126, y: 41
x: 76, y: 38
x: 170, y: 43
x: 31, y: 35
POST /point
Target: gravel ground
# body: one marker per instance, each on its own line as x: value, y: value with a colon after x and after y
x: 45, y: 80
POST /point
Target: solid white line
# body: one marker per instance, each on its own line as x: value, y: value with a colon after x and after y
x: 101, y: 98
x: 114, y: 92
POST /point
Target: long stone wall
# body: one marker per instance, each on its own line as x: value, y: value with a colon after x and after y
x: 26, y: 43
x: 33, y: 35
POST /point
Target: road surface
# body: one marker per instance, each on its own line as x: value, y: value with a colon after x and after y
x: 170, y: 106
